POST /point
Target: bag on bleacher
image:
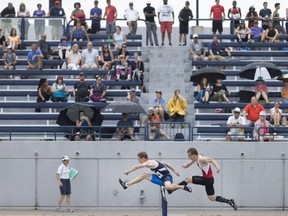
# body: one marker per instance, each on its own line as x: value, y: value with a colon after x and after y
x: 64, y: 66
x: 179, y: 137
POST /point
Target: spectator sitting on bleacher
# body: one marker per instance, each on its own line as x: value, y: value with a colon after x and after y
x: 203, y: 89
x: 220, y: 91
x: 272, y: 33
x: 10, y: 59
x: 59, y: 90
x: 125, y: 128
x: 79, y: 33
x: 233, y: 122
x: 2, y: 40
x: 123, y: 51
x: 276, y: 117
x: 90, y: 58
x: 64, y: 48
x: 98, y: 91
x: 159, y: 104
x: 45, y: 47
x: 44, y: 92
x: 35, y: 58
x: 56, y: 24
x: 176, y: 107
x: 284, y: 91
x: 215, y: 48
x: 137, y: 67
x: 123, y: 69
x: 78, y: 15
x: 261, y: 89
x: 81, y: 89
x: 257, y: 33
x: 251, y: 111
x: 107, y: 57
x: 131, y: 96
x: 251, y: 16
x: 243, y: 33
x: 14, y: 40
x: 197, y: 50
x: 261, y: 128
x: 119, y: 38
x: 74, y: 58
x: 155, y: 131
x: 82, y: 131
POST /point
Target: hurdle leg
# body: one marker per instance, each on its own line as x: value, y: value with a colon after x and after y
x: 163, y: 201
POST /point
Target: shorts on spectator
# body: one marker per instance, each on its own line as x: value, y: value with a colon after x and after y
x: 233, y: 135
x: 95, y: 27
x: 183, y: 28
x: 216, y: 25
x: 66, y: 187
x: 166, y: 26
x: 110, y: 27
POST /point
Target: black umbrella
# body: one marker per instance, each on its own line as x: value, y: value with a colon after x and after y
x: 212, y: 74
x: 260, y: 69
x: 69, y: 115
x: 124, y: 107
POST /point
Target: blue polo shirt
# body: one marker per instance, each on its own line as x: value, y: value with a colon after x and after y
x: 98, y: 12
x: 33, y: 53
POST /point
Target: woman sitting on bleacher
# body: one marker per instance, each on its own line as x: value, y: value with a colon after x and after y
x: 123, y: 69
x: 219, y: 92
x: 98, y: 91
x: 284, y: 91
x: 10, y: 59
x: 261, y: 89
x: 59, y: 90
x: 74, y: 58
x: 107, y: 57
x: 119, y: 38
x: 271, y: 33
x: 14, y: 40
x: 243, y: 33
x: 137, y: 67
x: 79, y: 33
x: 276, y: 117
x: 44, y: 92
x: 203, y: 89
x: 64, y: 48
x: 2, y: 40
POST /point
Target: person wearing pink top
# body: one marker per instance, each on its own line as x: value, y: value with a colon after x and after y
x: 261, y: 89
x: 111, y: 16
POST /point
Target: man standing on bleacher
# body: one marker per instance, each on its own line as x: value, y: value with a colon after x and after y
x: 217, y: 11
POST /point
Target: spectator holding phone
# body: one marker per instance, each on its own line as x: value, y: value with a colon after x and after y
x: 59, y: 90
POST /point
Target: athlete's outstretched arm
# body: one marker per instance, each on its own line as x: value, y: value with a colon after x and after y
x: 188, y: 164
x: 214, y: 162
x: 171, y: 168
x: 140, y: 166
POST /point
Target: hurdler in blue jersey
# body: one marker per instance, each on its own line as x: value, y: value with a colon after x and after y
x: 161, y: 175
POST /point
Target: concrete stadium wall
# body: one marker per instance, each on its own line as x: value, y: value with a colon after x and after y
x: 254, y: 174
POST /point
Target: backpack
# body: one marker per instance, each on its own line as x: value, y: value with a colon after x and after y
x: 179, y: 137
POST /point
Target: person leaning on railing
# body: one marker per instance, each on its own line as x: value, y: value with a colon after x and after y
x: 57, y: 27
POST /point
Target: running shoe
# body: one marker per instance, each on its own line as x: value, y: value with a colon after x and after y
x: 123, y: 184
x: 233, y: 204
x: 188, y: 189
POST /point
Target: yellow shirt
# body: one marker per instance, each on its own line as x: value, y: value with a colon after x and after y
x: 175, y: 106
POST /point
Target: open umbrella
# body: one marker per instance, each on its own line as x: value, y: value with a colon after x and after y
x: 124, y: 107
x: 69, y: 115
x: 283, y: 77
x: 212, y: 74
x: 260, y: 69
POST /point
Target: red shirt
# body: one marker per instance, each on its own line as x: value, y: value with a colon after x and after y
x: 206, y: 171
x: 110, y: 12
x: 217, y: 11
x: 253, y: 112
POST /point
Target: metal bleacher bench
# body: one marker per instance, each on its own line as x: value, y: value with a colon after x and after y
x: 228, y: 36
x: 244, y: 83
x: 236, y: 94
x: 215, y: 105
x: 233, y: 63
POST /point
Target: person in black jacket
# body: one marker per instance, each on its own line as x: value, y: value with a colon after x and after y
x: 184, y: 17
x: 5, y: 13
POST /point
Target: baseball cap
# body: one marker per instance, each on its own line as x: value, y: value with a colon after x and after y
x: 65, y: 158
x: 150, y: 110
x: 81, y: 74
x: 158, y: 91
x: 195, y: 36
x: 263, y: 113
x: 237, y: 109
x: 9, y: 47
x: 63, y: 38
x: 132, y: 90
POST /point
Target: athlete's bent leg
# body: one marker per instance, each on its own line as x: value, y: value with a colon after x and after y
x: 140, y: 178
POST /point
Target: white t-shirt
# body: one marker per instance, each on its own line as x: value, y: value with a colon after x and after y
x: 233, y: 120
x: 165, y: 13
x: 63, y: 171
x: 131, y: 15
x: 89, y: 57
x: 273, y: 111
x: 74, y: 57
x: 24, y: 13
